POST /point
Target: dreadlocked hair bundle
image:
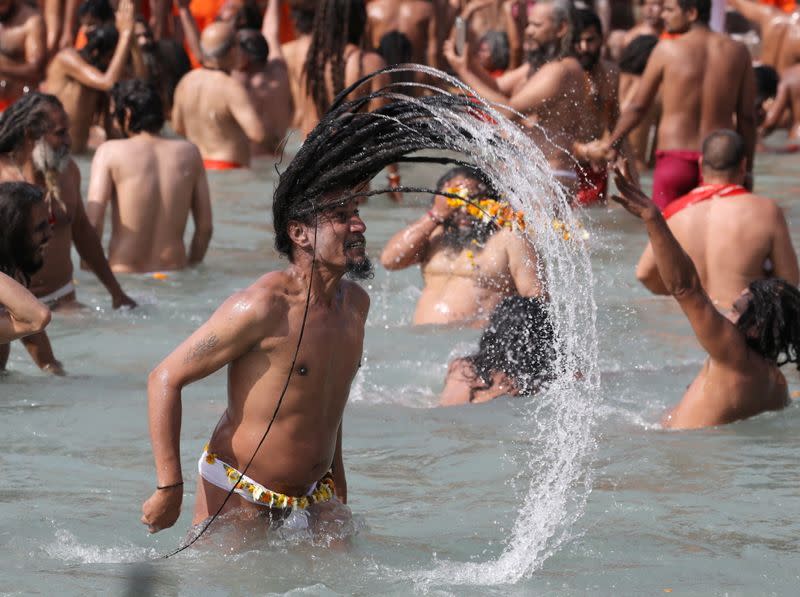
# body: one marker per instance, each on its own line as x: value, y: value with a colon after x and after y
x: 336, y: 23
x: 29, y: 115
x: 771, y: 322
x: 351, y: 145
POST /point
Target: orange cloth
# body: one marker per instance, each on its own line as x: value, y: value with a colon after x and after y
x: 703, y: 193
x: 220, y: 165
x: 5, y: 104
x: 787, y: 6
x: 80, y: 39
x: 668, y: 35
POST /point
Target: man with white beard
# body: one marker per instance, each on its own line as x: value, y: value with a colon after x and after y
x: 34, y: 148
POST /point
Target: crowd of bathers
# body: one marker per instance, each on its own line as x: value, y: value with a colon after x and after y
x: 161, y: 93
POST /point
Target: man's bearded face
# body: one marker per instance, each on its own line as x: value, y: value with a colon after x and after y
x: 46, y: 158
x: 588, y: 48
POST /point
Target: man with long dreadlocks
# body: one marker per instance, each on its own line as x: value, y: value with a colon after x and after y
x: 741, y: 377
x: 549, y: 90
x: 469, y: 263
x: 34, y: 148
x: 292, y: 341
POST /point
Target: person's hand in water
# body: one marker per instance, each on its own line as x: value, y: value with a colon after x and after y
x: 162, y: 509
x: 631, y: 197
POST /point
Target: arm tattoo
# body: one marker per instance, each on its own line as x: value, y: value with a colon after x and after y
x: 202, y: 348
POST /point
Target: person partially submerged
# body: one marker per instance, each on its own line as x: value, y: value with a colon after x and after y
x: 515, y: 355
x: 292, y: 341
x: 746, y: 348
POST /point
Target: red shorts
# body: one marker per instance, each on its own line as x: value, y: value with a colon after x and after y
x: 5, y: 104
x: 676, y: 173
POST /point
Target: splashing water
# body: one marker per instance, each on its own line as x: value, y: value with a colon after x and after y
x: 560, y: 418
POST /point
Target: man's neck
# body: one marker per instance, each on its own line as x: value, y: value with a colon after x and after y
x: 714, y: 178
x: 324, y: 282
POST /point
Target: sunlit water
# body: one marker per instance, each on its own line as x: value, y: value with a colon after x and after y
x: 442, y: 496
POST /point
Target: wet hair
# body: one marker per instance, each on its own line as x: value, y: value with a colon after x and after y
x: 703, y: 8
x: 336, y: 24
x: 16, y: 202
x: 723, y: 151
x: 351, y: 145
x: 517, y: 342
x: 767, y: 80
x: 142, y: 100
x: 254, y: 44
x: 586, y: 19
x: 636, y: 54
x: 96, y: 9
x: 302, y: 15
x: 28, y: 117
x: 100, y: 42
x: 771, y: 321
x: 499, y: 49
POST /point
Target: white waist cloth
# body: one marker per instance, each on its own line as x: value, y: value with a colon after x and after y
x: 57, y: 294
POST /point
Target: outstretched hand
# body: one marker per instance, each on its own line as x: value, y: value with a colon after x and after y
x: 125, y: 17
x: 631, y: 197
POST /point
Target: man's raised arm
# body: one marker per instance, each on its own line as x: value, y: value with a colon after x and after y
x: 718, y: 336
x: 238, y: 325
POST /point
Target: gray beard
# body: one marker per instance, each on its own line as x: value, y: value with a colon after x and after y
x: 46, y: 159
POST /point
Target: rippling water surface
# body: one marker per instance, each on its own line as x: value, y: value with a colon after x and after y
x: 697, y: 513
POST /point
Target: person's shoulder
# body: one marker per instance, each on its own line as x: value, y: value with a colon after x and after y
x: 370, y: 60
x: 273, y: 292
x: 356, y: 295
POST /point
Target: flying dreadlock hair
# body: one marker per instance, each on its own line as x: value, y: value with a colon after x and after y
x: 350, y: 146
x: 517, y: 342
x: 28, y: 117
x: 336, y: 24
x: 771, y: 321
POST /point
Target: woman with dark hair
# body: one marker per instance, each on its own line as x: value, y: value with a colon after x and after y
x: 24, y: 233
x: 515, y: 355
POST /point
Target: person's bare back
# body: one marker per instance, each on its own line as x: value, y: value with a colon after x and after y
x: 703, y: 76
x: 732, y: 236
x: 156, y: 183
x: 741, y: 377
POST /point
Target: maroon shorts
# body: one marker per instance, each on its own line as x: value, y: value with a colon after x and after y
x: 676, y: 173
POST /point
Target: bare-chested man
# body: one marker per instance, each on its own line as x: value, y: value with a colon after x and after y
x: 549, y: 90
x: 61, y: 22
x: 382, y: 18
x: 23, y: 236
x: 780, y: 32
x: 741, y: 377
x: 786, y: 100
x: 212, y: 109
x: 483, y: 16
x: 602, y: 104
x: 22, y: 50
x: 262, y: 70
x: 468, y: 265
x: 78, y: 78
x: 732, y: 236
x: 301, y: 386
x: 155, y: 183
x: 34, y: 147
x: 296, y: 51
x: 706, y: 82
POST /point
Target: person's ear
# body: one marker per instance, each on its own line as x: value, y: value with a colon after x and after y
x: 692, y: 15
x: 299, y: 234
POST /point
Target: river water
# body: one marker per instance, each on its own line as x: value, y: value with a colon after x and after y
x: 436, y: 493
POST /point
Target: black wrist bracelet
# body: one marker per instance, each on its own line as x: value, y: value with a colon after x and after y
x: 179, y: 484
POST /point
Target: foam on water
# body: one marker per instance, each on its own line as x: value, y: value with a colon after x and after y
x: 558, y: 421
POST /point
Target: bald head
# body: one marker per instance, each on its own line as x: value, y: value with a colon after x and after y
x: 724, y: 152
x: 217, y: 40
